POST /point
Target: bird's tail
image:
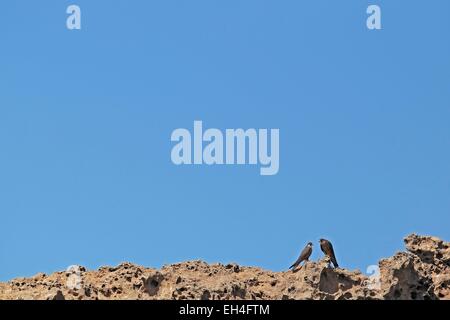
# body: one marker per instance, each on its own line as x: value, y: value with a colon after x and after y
x: 295, y: 265
x: 335, y: 263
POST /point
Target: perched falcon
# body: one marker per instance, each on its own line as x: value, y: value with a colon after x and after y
x: 304, y: 256
x: 327, y: 248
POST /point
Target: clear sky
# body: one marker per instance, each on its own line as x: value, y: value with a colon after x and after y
x: 86, y: 118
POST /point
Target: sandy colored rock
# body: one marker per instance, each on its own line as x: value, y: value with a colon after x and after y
x: 421, y: 273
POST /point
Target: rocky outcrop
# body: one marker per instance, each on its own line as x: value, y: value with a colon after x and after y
x: 423, y: 272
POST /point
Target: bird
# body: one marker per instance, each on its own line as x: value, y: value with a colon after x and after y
x: 304, y: 256
x: 327, y: 248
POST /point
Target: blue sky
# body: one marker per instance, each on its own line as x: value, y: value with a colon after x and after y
x: 86, y: 118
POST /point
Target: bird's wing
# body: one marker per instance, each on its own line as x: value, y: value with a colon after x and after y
x: 330, y: 248
x: 303, y: 256
x: 306, y: 253
x: 327, y: 248
x: 323, y: 247
x: 296, y: 263
x: 332, y: 255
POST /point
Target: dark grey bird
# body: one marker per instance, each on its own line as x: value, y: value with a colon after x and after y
x: 327, y: 248
x: 304, y: 256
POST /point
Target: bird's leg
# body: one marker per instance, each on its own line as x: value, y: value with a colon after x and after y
x: 328, y: 261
